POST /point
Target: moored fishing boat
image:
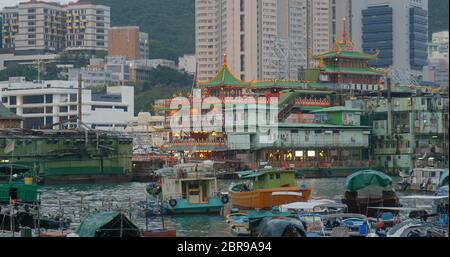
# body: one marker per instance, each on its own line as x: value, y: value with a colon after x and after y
x: 189, y: 189
x: 369, y: 188
x: 268, y: 188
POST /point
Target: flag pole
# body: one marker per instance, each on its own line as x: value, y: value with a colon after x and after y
x: 11, y: 167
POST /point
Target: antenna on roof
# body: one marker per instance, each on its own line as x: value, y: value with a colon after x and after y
x: 344, y: 30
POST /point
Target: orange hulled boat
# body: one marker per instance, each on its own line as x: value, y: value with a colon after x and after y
x: 267, y: 188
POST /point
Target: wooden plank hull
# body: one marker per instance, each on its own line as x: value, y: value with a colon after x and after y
x: 264, y: 198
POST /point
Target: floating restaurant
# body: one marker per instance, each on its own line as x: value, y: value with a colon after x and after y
x: 319, y: 134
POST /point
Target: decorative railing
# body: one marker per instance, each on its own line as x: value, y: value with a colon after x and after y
x: 319, y: 164
x: 218, y: 143
x: 324, y: 102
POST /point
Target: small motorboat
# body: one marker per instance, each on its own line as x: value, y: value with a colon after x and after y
x: 239, y: 224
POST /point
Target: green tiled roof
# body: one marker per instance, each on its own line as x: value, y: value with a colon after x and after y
x: 223, y: 78
x: 6, y: 114
x: 338, y: 109
x: 349, y: 54
x: 330, y: 69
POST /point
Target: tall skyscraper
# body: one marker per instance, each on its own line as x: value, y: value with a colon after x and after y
x: 263, y: 39
x: 397, y: 28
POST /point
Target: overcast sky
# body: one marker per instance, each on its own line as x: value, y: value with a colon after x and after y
x: 4, y: 3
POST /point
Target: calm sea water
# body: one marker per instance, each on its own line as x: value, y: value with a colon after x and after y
x: 71, y: 199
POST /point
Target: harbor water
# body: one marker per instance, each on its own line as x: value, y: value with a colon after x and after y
x: 69, y: 200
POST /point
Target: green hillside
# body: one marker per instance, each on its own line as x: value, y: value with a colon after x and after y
x: 170, y: 23
x: 438, y: 15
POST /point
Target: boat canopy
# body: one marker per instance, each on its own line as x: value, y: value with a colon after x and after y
x: 366, y: 178
x: 107, y: 224
x: 282, y: 227
x: 311, y: 205
x: 444, y: 178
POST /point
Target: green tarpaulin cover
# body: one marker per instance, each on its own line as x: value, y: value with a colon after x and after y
x: 444, y: 179
x: 365, y: 178
x: 107, y: 224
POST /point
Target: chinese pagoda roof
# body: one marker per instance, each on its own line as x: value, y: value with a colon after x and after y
x: 349, y: 54
x: 224, y: 78
x: 345, y: 48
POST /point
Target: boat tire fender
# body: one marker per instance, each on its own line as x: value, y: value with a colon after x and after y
x: 173, y: 202
x: 225, y: 199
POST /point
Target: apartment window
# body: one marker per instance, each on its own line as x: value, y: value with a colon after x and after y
x: 73, y: 97
x: 33, y: 110
x: 242, y: 23
x: 63, y: 109
x: 13, y: 110
x: 49, y: 99
x: 242, y: 5
x: 48, y: 120
x: 31, y: 42
x: 242, y: 62
x: 33, y: 99
x: 73, y: 108
x: 31, y: 35
x: 31, y: 17
x: 33, y: 123
x: 4, y: 99
x: 48, y: 109
x: 12, y: 100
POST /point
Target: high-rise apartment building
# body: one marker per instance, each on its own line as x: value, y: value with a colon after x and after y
x: 129, y: 42
x: 37, y: 27
x: 263, y: 39
x: 10, y: 26
x: 41, y: 27
x: 398, y: 29
x: 87, y: 26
